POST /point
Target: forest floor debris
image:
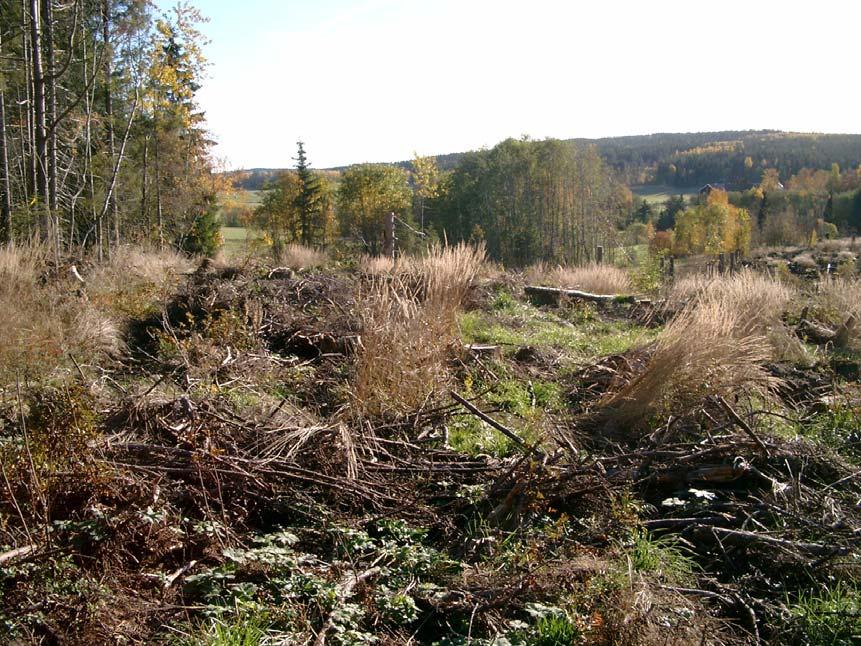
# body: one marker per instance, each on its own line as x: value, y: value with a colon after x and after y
x: 218, y: 481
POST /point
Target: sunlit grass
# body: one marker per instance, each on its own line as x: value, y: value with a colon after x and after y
x: 522, y: 325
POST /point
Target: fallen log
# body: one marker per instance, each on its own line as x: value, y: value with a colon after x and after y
x: 822, y: 334
x: 744, y: 538
x: 17, y: 553
x: 482, y: 350
x: 548, y: 295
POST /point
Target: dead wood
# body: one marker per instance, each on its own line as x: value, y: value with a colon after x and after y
x: 17, y: 553
x: 548, y: 295
x: 511, y: 435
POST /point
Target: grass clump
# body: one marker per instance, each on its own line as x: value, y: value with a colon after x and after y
x: 593, y: 277
x: 409, y: 327
x: 249, y: 631
x: 43, y: 319
x: 828, y: 617
x: 837, y: 299
x: 131, y: 282
x: 662, y: 556
x: 707, y: 349
x: 297, y: 256
x: 758, y: 299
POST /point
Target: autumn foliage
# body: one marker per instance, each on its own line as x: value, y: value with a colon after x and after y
x: 713, y: 227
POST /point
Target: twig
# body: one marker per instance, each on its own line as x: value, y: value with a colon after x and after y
x: 735, y: 417
x: 511, y: 435
x: 344, y: 592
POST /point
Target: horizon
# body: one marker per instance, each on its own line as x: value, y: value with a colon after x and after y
x: 461, y: 152
x: 377, y: 80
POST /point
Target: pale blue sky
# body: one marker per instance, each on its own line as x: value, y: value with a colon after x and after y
x: 375, y: 80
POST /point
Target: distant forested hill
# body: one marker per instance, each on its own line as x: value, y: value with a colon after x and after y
x: 735, y: 158
x: 684, y: 160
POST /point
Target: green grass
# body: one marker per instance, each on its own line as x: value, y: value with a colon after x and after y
x: 838, y: 427
x: 539, y: 329
x: 829, y: 617
x: 660, y: 193
x: 661, y: 556
x: 237, y: 239
x: 241, y: 631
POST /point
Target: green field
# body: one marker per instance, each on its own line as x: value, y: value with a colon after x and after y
x: 659, y: 193
x: 235, y: 207
x: 237, y: 240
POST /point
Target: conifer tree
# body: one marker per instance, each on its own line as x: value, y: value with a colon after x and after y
x: 308, y: 199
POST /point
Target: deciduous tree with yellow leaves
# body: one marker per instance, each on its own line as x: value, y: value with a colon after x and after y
x: 712, y: 228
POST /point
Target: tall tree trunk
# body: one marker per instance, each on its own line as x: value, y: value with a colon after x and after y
x: 119, y: 160
x: 158, y: 187
x: 39, y: 117
x: 28, y: 150
x: 109, y: 111
x: 145, y: 172
x: 51, y: 116
x: 5, y: 187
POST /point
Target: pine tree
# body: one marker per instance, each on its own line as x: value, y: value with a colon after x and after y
x: 308, y: 200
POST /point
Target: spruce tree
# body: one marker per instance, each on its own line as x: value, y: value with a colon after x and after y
x: 308, y: 200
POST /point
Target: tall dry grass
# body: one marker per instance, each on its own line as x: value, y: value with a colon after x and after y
x: 297, y: 256
x: 409, y: 326
x: 709, y: 348
x: 837, y: 298
x: 130, y: 283
x: 758, y: 300
x: 593, y: 278
x: 42, y: 322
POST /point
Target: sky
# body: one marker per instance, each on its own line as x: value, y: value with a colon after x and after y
x: 380, y: 80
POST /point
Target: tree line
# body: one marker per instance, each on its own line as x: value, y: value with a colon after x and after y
x: 525, y: 200
x: 101, y: 138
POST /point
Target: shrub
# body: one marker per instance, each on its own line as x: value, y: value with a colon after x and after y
x: 663, y: 241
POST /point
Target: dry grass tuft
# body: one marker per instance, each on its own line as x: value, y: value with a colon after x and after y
x: 758, y: 300
x: 297, y: 256
x: 130, y: 282
x: 838, y: 298
x: 377, y: 265
x: 593, y: 278
x: 707, y: 349
x: 409, y: 328
x: 42, y: 322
